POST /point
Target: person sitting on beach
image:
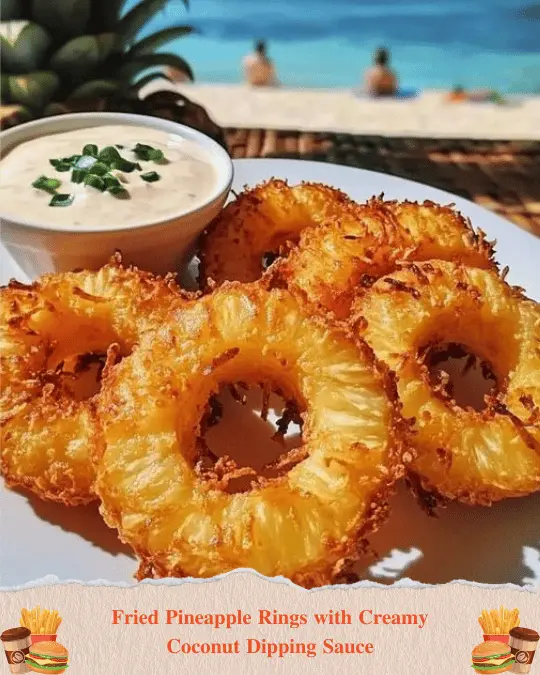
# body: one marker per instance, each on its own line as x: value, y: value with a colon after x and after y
x: 258, y: 67
x: 380, y: 79
x: 459, y: 94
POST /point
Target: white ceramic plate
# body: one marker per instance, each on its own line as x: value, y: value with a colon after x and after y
x: 491, y: 545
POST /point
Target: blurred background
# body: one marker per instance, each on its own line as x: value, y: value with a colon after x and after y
x: 445, y: 92
x: 316, y: 43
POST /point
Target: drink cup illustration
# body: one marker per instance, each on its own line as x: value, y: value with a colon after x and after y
x: 523, y: 643
x: 16, y: 643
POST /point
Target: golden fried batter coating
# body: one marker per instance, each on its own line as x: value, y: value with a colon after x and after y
x: 260, y: 221
x: 306, y: 524
x: 343, y: 254
x: 47, y: 433
x: 474, y: 456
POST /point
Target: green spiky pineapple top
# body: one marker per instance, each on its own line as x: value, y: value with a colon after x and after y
x: 55, y: 52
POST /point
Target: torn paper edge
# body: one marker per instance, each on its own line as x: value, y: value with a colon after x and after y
x: 406, y: 583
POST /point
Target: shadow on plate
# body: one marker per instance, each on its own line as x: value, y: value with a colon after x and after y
x: 239, y: 423
x: 84, y: 521
x: 492, y: 545
x: 499, y: 544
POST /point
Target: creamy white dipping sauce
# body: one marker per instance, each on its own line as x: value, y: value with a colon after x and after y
x: 187, y: 179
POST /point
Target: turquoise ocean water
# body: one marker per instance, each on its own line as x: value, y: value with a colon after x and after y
x: 328, y: 43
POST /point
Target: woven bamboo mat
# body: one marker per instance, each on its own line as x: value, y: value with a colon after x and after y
x: 503, y: 176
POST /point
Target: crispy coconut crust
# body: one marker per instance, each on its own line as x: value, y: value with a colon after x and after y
x: 47, y: 434
x: 306, y: 525
x: 345, y: 253
x: 474, y: 457
x: 263, y: 220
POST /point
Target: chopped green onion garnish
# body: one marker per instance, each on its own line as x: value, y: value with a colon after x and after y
x: 124, y: 165
x: 85, y: 162
x: 60, y: 164
x: 93, y: 168
x: 91, y: 150
x: 148, y: 153
x: 78, y: 175
x: 111, y: 181
x: 64, y: 163
x: 95, y: 182
x: 109, y: 155
x: 142, y: 151
x: 61, y: 200
x: 150, y: 176
x: 48, y: 184
x: 99, y: 169
x: 118, y: 191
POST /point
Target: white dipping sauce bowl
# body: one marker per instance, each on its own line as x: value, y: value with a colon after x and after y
x: 158, y: 247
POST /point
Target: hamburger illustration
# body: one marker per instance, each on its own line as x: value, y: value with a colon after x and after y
x: 492, y: 657
x: 47, y: 657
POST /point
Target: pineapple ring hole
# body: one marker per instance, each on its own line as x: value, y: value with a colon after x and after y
x: 235, y: 425
x: 457, y: 373
x: 279, y: 248
x: 268, y: 258
x: 81, y: 373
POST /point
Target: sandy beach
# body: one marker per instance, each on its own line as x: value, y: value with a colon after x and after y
x: 339, y: 110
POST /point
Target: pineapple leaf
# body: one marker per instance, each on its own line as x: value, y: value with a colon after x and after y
x: 24, y: 114
x: 107, y: 44
x: 130, y: 24
x: 77, y: 58
x: 135, y: 66
x: 4, y: 89
x: 56, y: 109
x: 95, y: 89
x: 149, y: 44
x: 64, y: 18
x: 14, y: 9
x: 24, y: 46
x: 33, y: 90
x: 106, y: 13
x: 150, y: 77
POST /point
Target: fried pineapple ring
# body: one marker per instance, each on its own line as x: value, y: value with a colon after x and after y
x: 476, y: 457
x: 47, y: 434
x: 304, y: 525
x: 334, y: 259
x: 260, y: 221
